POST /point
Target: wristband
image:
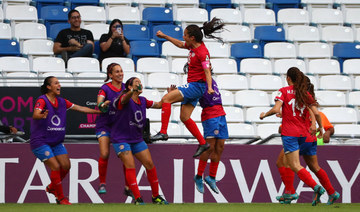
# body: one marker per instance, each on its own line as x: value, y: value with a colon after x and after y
x: 101, y: 108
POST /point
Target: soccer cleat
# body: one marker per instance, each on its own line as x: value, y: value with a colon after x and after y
x: 287, y: 198
x: 159, y: 136
x: 318, y: 191
x: 201, y: 149
x: 333, y: 197
x: 199, y: 184
x: 139, y: 201
x: 212, y: 183
x: 63, y: 201
x: 102, y: 189
x: 128, y: 192
x: 159, y: 200
x: 50, y: 190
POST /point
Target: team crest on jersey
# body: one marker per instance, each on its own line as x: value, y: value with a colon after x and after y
x: 47, y: 153
x: 103, y: 132
x: 193, y: 54
x: 216, y: 132
x: 122, y: 146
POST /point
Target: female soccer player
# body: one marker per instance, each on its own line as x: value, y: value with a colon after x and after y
x: 108, y: 92
x: 48, y: 133
x: 127, y: 137
x: 215, y: 132
x: 294, y: 100
x: 308, y: 150
x: 199, y: 78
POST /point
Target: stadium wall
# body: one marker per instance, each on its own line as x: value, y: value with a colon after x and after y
x: 247, y: 173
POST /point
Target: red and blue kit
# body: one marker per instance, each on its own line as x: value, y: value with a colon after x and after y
x: 198, y: 60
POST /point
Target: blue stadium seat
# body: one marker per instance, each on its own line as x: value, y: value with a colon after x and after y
x: 144, y: 49
x: 212, y: 4
x: 76, y: 3
x: 277, y: 5
x: 96, y: 49
x: 56, y: 28
x: 266, y: 34
x: 9, y: 48
x: 345, y: 51
x: 136, y: 32
x: 54, y: 14
x: 157, y: 16
x: 169, y: 29
x: 42, y: 3
x: 240, y: 51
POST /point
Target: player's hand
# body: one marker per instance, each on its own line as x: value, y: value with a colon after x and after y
x: 262, y: 116
x: 321, y: 132
x: 171, y: 88
x: 312, y: 130
x: 13, y: 130
x: 45, y: 114
x: 160, y: 34
x: 211, y: 91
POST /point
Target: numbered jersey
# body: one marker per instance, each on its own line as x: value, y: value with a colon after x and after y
x: 294, y: 118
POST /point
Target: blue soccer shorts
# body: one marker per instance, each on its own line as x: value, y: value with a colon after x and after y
x: 308, y: 148
x: 46, y: 152
x: 215, y: 128
x: 133, y: 147
x: 192, y: 92
x: 291, y: 144
x: 102, y: 134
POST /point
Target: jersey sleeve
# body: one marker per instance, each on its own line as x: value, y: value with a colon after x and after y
x: 204, y: 58
x: 280, y: 95
x: 117, y: 102
x: 68, y: 104
x: 102, y: 93
x: 325, y: 122
x: 149, y: 103
x: 40, y: 104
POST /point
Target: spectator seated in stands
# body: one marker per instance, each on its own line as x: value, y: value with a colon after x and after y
x: 7, y: 129
x: 113, y: 43
x: 74, y: 41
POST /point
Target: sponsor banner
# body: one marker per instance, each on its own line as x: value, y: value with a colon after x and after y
x: 246, y: 174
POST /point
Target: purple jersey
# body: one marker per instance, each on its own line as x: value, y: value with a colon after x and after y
x: 50, y: 131
x: 104, y: 120
x: 129, y: 122
x: 211, y: 104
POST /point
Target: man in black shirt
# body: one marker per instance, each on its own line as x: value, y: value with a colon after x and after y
x: 74, y: 41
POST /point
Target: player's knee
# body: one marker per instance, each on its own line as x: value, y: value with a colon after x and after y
x: 148, y: 164
x: 104, y: 155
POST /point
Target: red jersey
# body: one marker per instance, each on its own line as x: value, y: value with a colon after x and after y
x: 325, y: 123
x: 197, y: 58
x: 40, y: 104
x: 294, y: 118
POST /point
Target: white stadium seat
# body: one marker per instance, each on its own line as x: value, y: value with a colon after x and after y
x: 127, y: 64
x: 92, y: 14
x: 282, y: 66
x: 278, y: 50
x: 24, y: 31
x: 265, y: 82
x: 314, y: 50
x: 252, y: 98
x: 224, y: 66
x: 232, y: 82
x: 324, y: 66
x: 227, y: 15
x: 162, y: 80
x: 351, y: 66
x: 14, y: 64
x: 227, y: 97
x: 255, y: 66
x: 240, y: 129
x: 48, y: 64
x: 331, y: 98
x: 265, y: 130
x: 97, y: 29
x: 234, y: 114
x: 152, y: 65
x: 127, y: 14
x: 252, y: 115
x: 83, y: 64
x: 335, y: 82
x: 341, y: 115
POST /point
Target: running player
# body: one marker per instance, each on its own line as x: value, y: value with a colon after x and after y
x: 215, y: 132
x: 127, y: 137
x: 294, y: 100
x: 199, y: 78
x: 48, y: 133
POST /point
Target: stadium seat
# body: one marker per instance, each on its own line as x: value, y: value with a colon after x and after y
x: 25, y: 31
x: 227, y: 15
x: 90, y: 79
x: 324, y: 66
x: 314, y: 50
x: 195, y: 116
x: 336, y: 34
x: 1, y: 14
x: 227, y: 97
x: 48, y: 64
x: 347, y: 129
x: 303, y: 34
x: 232, y: 82
x: 352, y: 16
x: 21, y: 13
x: 127, y: 14
x: 354, y: 98
x: 169, y: 50
x: 65, y: 79
x: 5, y: 31
x: 38, y: 47
x: 347, y: 4
x: 252, y: 115
x: 255, y: 66
x: 310, y: 5
x: 293, y: 16
x: 234, y: 114
x: 44, y: 3
x: 357, y: 83
x: 150, y: 94
x: 152, y: 65
x: 136, y: 32
x: 168, y: 29
x: 92, y: 14
x: 156, y: 16
x: 282, y: 66
x: 126, y: 64
x: 9, y: 48
x: 245, y: 50
x: 351, y: 66
x: 236, y: 33
x: 83, y: 64
x: 191, y: 16
x: 279, y: 50
x: 259, y: 16
x: 335, y: 82
x: 252, y: 98
x: 246, y: 4
x: 97, y: 29
x: 183, y: 3
x: 144, y: 49
x: 357, y: 32
x: 213, y: 4
x: 114, y: 3
x: 128, y: 75
x: 345, y: 51
x: 22, y: 79
x: 177, y: 65
x: 54, y: 14
x: 327, y: 16
x: 162, y: 80
x: 77, y: 3
x: 341, y: 115
x: 217, y: 49
x: 265, y: 130
x: 241, y: 129
x: 56, y: 28
x: 174, y: 129
x: 265, y: 82
x: 277, y: 5
x: 330, y: 98
x: 14, y: 64
x: 266, y: 34
x: 224, y: 66
x: 142, y: 4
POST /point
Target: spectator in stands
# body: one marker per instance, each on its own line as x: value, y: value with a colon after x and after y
x: 48, y: 133
x: 74, y: 41
x: 113, y: 43
x: 7, y: 129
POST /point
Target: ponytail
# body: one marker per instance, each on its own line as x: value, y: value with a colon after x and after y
x: 209, y: 27
x: 300, y: 86
x: 47, y: 81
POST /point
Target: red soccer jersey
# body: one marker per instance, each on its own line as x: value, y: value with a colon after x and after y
x: 294, y: 118
x: 196, y: 59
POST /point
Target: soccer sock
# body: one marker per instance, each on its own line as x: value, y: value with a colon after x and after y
x: 324, y: 180
x: 103, y: 163
x: 153, y: 180
x: 126, y: 182
x: 306, y: 178
x: 213, y: 169
x: 194, y: 130
x: 165, y: 117
x: 130, y: 175
x: 56, y: 184
x: 201, y: 167
x: 287, y: 176
x: 63, y: 173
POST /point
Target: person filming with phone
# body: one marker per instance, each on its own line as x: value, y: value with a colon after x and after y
x: 114, y: 44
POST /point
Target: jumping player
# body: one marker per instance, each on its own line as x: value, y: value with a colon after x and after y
x: 199, y: 78
x: 295, y: 101
x: 48, y: 133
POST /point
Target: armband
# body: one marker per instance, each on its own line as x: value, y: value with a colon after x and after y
x: 101, y: 108
x: 205, y: 64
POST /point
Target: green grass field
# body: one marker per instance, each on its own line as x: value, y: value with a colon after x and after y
x: 188, y: 207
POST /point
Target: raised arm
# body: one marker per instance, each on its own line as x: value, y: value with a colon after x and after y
x: 175, y: 41
x: 84, y: 109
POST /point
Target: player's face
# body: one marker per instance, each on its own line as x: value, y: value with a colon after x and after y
x: 54, y: 86
x: 137, y: 85
x: 75, y: 20
x: 188, y: 40
x: 117, y: 74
